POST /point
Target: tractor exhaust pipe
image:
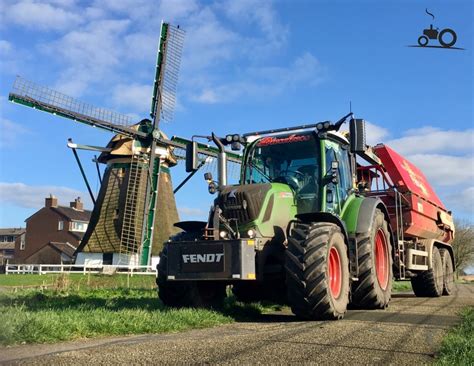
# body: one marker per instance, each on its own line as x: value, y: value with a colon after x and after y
x: 221, y: 161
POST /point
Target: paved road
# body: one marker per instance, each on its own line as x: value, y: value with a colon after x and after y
x: 408, y: 332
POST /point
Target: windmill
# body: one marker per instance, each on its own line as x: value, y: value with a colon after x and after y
x: 136, y: 195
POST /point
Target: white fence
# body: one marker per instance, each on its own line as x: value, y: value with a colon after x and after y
x: 78, y: 269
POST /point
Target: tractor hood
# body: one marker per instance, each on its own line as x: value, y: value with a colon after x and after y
x: 261, y: 206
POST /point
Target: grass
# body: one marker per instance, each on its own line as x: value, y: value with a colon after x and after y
x: 457, y: 347
x: 79, y: 308
x: 401, y: 286
x: 78, y: 281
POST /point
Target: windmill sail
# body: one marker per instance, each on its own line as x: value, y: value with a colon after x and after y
x: 40, y: 97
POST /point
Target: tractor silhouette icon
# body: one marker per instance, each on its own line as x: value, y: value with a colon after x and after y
x: 443, y: 37
x: 446, y: 38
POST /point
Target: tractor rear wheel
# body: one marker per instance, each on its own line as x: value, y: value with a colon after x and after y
x: 448, y: 272
x: 373, y: 290
x: 207, y: 294
x: 430, y: 283
x: 317, y: 271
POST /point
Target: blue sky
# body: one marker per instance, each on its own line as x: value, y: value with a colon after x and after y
x: 247, y: 65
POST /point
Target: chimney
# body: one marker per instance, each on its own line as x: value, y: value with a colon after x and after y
x: 77, y: 204
x: 51, y: 201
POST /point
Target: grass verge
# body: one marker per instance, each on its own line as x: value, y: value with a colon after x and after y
x: 457, y: 347
x: 32, y: 316
x: 401, y: 286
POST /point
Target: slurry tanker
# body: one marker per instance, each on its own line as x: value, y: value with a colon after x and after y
x: 318, y: 220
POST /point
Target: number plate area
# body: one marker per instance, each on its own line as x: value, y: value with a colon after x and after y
x: 202, y: 258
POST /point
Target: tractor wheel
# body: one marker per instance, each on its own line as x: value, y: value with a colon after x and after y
x: 430, y: 283
x: 207, y: 294
x: 317, y: 271
x: 448, y: 272
x: 423, y: 41
x: 451, y: 43
x: 374, y: 288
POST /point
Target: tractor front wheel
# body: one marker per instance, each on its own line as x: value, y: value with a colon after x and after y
x: 317, y: 271
x: 373, y: 290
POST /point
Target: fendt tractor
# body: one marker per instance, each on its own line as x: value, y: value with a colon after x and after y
x: 311, y: 225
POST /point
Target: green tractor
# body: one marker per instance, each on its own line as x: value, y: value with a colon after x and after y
x: 297, y: 228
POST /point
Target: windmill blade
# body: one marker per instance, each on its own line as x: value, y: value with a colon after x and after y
x: 167, y: 71
x: 39, y: 97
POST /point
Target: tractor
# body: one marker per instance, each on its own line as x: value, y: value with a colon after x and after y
x: 318, y: 220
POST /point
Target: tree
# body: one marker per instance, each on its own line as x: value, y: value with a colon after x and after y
x: 463, y: 245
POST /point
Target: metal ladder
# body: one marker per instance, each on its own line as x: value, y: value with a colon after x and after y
x: 132, y: 226
x: 400, y: 237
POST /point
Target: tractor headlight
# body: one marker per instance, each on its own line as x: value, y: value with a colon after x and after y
x: 319, y: 126
x: 251, y: 233
x: 223, y: 234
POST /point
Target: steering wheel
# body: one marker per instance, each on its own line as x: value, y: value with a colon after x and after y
x: 290, y: 179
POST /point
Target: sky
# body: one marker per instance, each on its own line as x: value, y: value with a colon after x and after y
x: 247, y: 65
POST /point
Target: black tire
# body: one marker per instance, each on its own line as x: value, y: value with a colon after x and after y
x: 373, y: 290
x: 423, y: 41
x: 311, y: 292
x: 453, y: 35
x: 430, y: 283
x: 448, y: 272
x: 208, y: 294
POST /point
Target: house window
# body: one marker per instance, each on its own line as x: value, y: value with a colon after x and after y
x: 78, y: 226
x: 22, y: 242
x: 60, y: 225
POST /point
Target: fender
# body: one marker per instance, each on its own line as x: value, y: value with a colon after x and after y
x: 430, y: 243
x: 191, y: 226
x: 366, y: 214
x: 324, y: 217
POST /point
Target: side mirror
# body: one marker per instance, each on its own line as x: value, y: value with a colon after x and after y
x: 191, y: 157
x: 357, y: 135
x: 335, y: 172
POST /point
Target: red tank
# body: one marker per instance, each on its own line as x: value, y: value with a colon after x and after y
x: 424, y: 215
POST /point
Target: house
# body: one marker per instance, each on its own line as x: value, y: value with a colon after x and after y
x: 7, y: 242
x: 53, y: 233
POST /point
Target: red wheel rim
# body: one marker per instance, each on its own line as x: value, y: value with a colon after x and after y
x: 335, y: 272
x: 381, y: 259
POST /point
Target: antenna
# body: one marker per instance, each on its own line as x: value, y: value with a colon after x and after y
x: 350, y: 106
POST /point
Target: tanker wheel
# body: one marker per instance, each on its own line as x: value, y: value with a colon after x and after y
x: 317, y: 271
x: 423, y: 41
x: 373, y: 290
x: 208, y: 294
x: 430, y: 283
x: 454, y: 37
x: 448, y: 272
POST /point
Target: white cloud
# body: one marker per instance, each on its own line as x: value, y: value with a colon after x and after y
x: 10, y: 133
x: 264, y: 82
x: 445, y: 170
x: 29, y: 196
x: 431, y: 139
x: 462, y: 201
x: 135, y: 96
x: 375, y: 134
x: 41, y: 15
x: 5, y: 47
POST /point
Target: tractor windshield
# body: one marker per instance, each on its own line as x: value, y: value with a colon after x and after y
x: 290, y: 159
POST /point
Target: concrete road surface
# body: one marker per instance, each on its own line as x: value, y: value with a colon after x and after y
x: 409, y: 332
